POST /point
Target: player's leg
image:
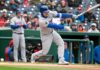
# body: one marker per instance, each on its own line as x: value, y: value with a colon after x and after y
x: 22, y: 46
x: 16, y: 44
x: 36, y: 55
x: 59, y: 41
x: 46, y: 43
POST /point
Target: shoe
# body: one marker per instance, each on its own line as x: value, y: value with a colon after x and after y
x: 33, y: 58
x: 32, y: 61
x: 63, y: 62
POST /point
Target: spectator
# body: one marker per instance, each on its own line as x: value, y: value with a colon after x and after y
x: 74, y: 27
x: 67, y: 53
x: 2, y: 5
x: 97, y: 54
x: 90, y: 16
x: 9, y: 52
x: 86, y: 24
x: 3, y: 18
x: 81, y: 28
x: 34, y: 23
x: 63, y: 21
x: 62, y: 7
x: 80, y: 18
x: 29, y: 51
x: 37, y: 47
x: 93, y: 28
x: 68, y: 21
x: 13, y: 5
x: 25, y: 3
x: 26, y: 18
x: 52, y: 5
x: 42, y: 2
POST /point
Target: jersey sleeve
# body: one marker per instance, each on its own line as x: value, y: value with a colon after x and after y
x: 13, y: 24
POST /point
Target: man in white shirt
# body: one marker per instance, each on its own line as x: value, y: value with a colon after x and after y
x: 93, y: 28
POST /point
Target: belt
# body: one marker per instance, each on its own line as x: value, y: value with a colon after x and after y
x: 18, y: 33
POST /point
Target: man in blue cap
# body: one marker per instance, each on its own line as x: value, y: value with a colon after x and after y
x: 49, y: 35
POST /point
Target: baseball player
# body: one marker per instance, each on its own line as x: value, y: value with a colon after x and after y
x: 48, y: 34
x: 18, y: 25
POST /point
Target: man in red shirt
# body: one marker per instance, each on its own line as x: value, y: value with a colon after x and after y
x: 3, y: 18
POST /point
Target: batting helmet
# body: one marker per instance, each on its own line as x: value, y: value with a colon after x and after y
x: 44, y: 9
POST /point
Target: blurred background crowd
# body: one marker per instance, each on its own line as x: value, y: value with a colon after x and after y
x: 89, y: 22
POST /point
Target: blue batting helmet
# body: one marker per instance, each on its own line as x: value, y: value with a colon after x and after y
x: 44, y: 9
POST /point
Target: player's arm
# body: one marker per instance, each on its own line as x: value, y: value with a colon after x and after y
x: 62, y: 15
x: 57, y: 26
x: 13, y: 24
x: 43, y: 23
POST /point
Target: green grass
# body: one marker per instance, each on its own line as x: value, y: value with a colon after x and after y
x: 34, y: 68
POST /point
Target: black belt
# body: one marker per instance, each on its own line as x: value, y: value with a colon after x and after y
x: 18, y: 33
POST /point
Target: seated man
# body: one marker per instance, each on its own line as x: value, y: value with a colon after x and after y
x: 9, y: 51
x: 67, y: 54
x: 97, y: 54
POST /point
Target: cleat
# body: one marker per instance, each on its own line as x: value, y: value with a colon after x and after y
x: 63, y: 62
x: 32, y: 61
x: 33, y: 58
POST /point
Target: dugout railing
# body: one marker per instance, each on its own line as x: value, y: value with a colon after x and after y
x: 70, y: 41
x: 79, y: 51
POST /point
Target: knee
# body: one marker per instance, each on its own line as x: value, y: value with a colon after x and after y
x: 23, y: 46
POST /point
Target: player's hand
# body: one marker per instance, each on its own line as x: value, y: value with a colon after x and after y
x: 21, y: 25
x: 67, y: 28
x: 74, y: 16
x: 53, y: 12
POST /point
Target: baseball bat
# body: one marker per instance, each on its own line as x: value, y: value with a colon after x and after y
x: 95, y: 6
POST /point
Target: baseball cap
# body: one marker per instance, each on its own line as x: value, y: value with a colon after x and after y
x: 93, y: 24
x: 4, y: 10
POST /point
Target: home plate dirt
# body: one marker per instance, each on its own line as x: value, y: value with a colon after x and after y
x: 78, y: 66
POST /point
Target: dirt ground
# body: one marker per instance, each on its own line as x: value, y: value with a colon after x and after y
x: 79, y: 66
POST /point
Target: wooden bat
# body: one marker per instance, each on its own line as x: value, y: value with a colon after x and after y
x: 95, y: 6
